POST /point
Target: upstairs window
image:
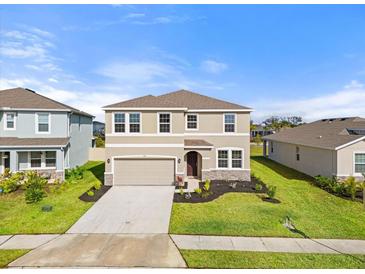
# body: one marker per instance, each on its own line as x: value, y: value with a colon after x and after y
x: 134, y: 122
x: 223, y: 158
x: 119, y: 122
x: 164, y: 122
x: 9, y: 120
x: 42, y: 122
x: 360, y: 163
x: 192, y: 121
x: 229, y: 122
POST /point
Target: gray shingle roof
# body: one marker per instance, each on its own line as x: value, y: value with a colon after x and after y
x: 14, y: 141
x: 326, y: 133
x: 180, y: 98
x: 21, y: 98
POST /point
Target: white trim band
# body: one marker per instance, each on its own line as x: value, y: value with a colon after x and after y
x: 144, y: 145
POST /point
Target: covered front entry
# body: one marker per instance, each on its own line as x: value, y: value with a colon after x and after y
x: 152, y: 171
x: 192, y: 163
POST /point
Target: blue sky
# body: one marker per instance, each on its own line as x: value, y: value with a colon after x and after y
x: 278, y: 59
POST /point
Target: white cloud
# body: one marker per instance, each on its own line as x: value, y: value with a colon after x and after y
x: 135, y: 15
x: 350, y: 101
x: 213, y: 67
x: 138, y: 72
x: 53, y: 80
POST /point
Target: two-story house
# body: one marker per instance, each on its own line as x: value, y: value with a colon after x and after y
x: 38, y: 133
x: 152, y: 140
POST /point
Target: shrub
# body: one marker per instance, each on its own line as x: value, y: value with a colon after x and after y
x: 74, y: 174
x: 11, y: 182
x: 7, y: 173
x: 271, y: 191
x: 99, y: 142
x: 34, y: 187
x: 90, y: 193
x: 258, y: 187
x: 198, y: 191
x: 324, y: 182
x: 351, y: 186
x: 97, y: 185
x: 181, y: 191
x: 207, y: 185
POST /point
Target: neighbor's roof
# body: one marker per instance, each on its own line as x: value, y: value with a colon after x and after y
x: 22, y: 98
x: 31, y: 142
x: 326, y: 133
x: 196, y: 143
x: 178, y: 99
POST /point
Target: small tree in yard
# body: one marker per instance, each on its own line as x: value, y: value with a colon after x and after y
x: 257, y: 139
x: 34, y: 187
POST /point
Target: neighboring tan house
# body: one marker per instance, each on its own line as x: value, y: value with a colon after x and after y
x: 260, y: 130
x: 37, y: 133
x: 328, y: 147
x: 153, y: 140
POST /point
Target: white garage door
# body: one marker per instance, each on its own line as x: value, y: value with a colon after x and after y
x: 144, y: 172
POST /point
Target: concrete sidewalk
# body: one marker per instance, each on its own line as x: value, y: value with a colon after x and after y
x: 25, y: 241
x: 263, y: 244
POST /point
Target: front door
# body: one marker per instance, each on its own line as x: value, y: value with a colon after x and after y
x: 6, y: 159
x: 192, y: 163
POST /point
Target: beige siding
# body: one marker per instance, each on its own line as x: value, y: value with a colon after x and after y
x: 96, y: 154
x: 313, y: 161
x: 345, y: 162
x: 212, y: 122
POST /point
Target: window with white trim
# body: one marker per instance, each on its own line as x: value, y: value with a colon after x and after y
x: 134, y: 122
x: 223, y: 158
x: 50, y: 159
x: 236, y: 158
x: 360, y: 163
x: 43, y: 122
x: 192, y: 121
x: 119, y: 122
x: 164, y: 120
x: 229, y: 122
x: 10, y: 120
x: 35, y: 159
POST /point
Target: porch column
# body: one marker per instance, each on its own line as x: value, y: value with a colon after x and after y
x: 13, y: 160
x: 59, y: 160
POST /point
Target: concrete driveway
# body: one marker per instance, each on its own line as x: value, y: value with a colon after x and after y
x: 104, y: 250
x: 129, y: 209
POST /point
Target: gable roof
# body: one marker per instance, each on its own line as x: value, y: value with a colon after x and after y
x: 22, y: 98
x: 178, y: 99
x: 332, y: 133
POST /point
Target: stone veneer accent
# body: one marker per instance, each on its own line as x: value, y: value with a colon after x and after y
x: 52, y: 173
x: 108, y: 179
x: 230, y: 175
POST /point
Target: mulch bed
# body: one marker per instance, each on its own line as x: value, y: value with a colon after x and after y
x: 97, y: 194
x: 218, y: 188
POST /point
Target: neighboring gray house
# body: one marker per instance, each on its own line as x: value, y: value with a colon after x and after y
x: 260, y: 130
x: 38, y: 133
x: 328, y: 147
x: 98, y: 128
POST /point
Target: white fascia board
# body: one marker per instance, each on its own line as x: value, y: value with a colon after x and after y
x: 220, y: 110
x: 350, y: 143
x: 144, y: 145
x: 198, y: 147
x: 142, y: 108
x: 36, y: 109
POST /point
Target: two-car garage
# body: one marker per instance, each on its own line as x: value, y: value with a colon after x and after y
x: 144, y: 171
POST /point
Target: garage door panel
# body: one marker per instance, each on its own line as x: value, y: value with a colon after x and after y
x: 144, y: 172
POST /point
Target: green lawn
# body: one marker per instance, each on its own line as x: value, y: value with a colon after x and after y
x: 240, y: 259
x: 17, y: 217
x: 314, y: 211
x: 7, y: 256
